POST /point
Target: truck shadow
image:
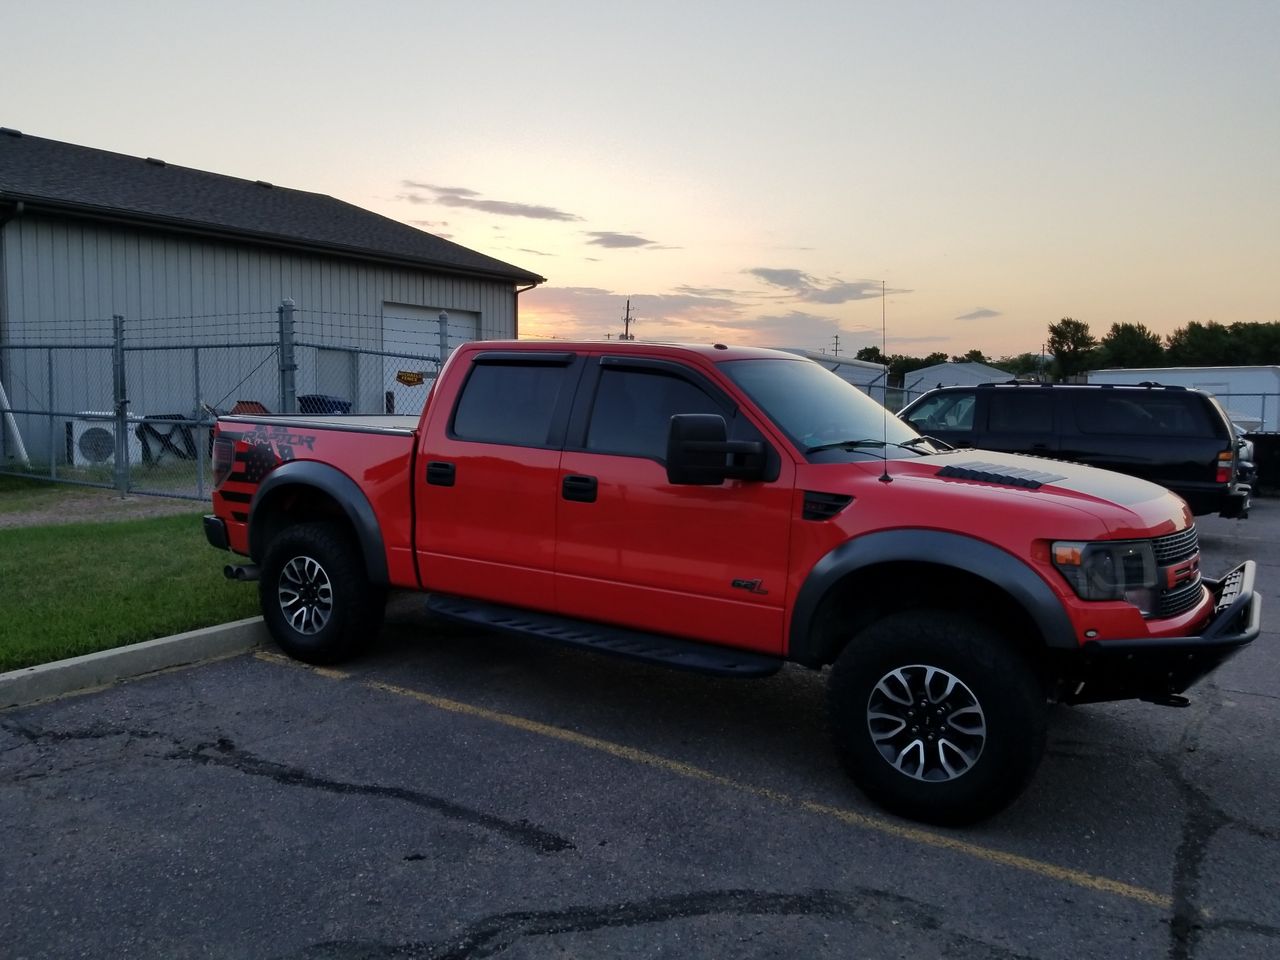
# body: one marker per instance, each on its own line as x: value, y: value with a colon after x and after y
x: 769, y: 733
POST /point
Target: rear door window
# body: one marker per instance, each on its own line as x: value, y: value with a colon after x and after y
x: 511, y: 403
x: 1132, y: 413
x: 1020, y: 411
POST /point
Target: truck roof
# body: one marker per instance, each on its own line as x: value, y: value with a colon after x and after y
x: 714, y: 352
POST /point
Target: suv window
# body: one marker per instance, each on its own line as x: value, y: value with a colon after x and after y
x: 1021, y: 410
x: 511, y: 403
x: 633, y: 410
x: 946, y: 411
x: 1151, y: 414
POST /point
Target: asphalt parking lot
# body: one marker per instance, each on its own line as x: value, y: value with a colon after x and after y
x: 459, y: 795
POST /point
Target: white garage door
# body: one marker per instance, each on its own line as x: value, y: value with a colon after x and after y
x: 413, y: 332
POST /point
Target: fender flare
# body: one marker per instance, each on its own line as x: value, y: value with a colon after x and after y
x: 961, y: 553
x: 345, y: 491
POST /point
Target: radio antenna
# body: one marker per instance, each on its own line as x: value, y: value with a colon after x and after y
x: 884, y: 407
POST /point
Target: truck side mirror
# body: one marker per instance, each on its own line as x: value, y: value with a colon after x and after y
x: 698, y: 452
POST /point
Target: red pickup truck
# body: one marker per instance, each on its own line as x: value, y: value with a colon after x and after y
x: 729, y: 510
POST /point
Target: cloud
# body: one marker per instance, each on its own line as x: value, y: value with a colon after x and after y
x: 428, y: 223
x: 809, y: 289
x: 456, y: 191
x: 930, y: 339
x: 471, y: 200
x: 536, y: 253
x: 982, y: 313
x: 691, y: 314
x: 606, y: 238
x: 710, y: 291
x: 593, y: 312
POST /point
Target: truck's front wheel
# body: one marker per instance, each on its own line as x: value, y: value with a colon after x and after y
x: 316, y: 598
x: 936, y: 716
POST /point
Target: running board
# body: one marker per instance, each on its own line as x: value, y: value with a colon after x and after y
x: 646, y: 647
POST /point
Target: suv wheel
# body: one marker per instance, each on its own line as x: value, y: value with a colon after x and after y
x: 937, y: 717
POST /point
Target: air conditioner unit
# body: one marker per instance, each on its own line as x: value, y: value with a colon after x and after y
x: 91, y: 440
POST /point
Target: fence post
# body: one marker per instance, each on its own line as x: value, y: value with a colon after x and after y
x: 288, y: 388
x: 53, y: 434
x: 444, y: 336
x: 121, y: 460
x: 199, y: 416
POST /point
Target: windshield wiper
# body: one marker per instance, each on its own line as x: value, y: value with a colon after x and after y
x: 866, y: 442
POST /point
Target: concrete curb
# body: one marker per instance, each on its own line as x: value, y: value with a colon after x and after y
x: 49, y: 680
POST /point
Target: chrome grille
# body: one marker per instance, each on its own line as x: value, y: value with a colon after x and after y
x: 1176, y: 546
x: 1180, y: 600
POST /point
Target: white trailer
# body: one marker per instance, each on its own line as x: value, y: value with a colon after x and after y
x: 1251, y: 395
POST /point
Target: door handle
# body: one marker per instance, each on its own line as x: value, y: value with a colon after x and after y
x: 578, y: 488
x: 440, y: 473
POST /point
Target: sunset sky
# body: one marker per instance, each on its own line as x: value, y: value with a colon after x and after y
x: 746, y: 172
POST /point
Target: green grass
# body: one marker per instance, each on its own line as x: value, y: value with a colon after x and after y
x: 79, y: 588
x: 21, y: 494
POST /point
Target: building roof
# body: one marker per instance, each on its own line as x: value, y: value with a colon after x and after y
x: 953, y: 374
x: 64, y: 178
x: 848, y: 368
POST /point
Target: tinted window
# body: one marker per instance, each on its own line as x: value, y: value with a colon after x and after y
x: 1021, y: 410
x: 946, y: 411
x: 509, y: 403
x: 633, y: 410
x: 1142, y: 414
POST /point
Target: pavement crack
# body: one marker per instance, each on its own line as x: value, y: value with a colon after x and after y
x: 223, y: 753
x: 1245, y: 926
x: 1201, y: 822
x: 491, y: 935
x: 103, y: 732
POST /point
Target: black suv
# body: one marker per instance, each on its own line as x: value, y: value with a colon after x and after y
x: 1179, y: 438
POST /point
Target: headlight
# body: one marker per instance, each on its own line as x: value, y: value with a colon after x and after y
x: 1110, y: 570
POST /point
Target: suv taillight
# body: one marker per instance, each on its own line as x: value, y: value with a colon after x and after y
x: 224, y: 454
x: 1225, y: 462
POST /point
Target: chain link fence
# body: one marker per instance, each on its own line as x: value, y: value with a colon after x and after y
x: 130, y: 404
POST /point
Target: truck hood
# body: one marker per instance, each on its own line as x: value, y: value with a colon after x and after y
x: 1001, y: 495
x: 1125, y: 505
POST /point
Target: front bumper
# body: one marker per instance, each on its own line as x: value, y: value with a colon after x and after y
x: 1159, y: 669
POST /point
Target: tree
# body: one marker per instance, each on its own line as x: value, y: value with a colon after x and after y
x: 1072, y: 345
x: 1201, y: 345
x: 871, y: 355
x: 1022, y: 365
x: 1255, y: 343
x: 1131, y: 345
x: 973, y: 356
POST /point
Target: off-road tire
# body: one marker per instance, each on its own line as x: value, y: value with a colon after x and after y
x: 993, y: 717
x: 316, y: 597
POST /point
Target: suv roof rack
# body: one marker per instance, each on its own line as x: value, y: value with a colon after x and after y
x: 1145, y: 385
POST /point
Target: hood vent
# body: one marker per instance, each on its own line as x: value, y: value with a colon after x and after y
x: 824, y: 506
x: 996, y: 473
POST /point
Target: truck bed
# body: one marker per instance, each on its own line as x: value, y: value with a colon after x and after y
x: 372, y: 423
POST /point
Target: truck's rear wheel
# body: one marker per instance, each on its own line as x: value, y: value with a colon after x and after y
x: 937, y: 717
x: 316, y: 597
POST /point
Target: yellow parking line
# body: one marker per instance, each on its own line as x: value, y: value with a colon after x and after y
x: 284, y: 661
x: 928, y: 838
x: 1052, y: 871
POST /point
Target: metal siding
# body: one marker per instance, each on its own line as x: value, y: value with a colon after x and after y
x: 59, y: 273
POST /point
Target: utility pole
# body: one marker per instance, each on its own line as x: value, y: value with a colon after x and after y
x: 835, y: 349
x: 626, y: 324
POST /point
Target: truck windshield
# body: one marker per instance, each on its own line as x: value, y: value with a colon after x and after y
x: 828, y: 419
